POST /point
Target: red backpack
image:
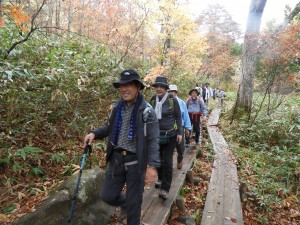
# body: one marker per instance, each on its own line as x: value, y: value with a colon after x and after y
x: 190, y: 99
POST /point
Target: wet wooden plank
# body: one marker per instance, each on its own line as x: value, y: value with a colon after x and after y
x: 222, y: 205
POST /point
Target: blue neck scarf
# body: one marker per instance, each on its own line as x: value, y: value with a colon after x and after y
x: 133, y: 119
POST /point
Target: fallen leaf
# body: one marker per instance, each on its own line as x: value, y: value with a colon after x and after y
x: 3, y: 218
x: 234, y: 220
x: 295, y: 215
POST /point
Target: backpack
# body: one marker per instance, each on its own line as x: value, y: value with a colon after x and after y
x: 170, y: 100
x: 146, y: 113
x: 190, y: 99
x: 171, y: 103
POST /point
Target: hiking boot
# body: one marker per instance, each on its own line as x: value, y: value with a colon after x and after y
x: 163, y: 194
x: 122, y: 214
x: 179, y: 165
x: 157, y: 184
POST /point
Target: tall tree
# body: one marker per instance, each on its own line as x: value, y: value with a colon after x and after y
x: 249, y: 56
x: 221, y: 32
x: 57, y: 14
x: 289, y: 17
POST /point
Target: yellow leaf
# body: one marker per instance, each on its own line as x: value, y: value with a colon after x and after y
x: 3, y: 218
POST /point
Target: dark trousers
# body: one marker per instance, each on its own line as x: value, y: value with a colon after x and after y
x: 180, y: 148
x: 117, y: 174
x: 165, y: 172
x: 195, y: 122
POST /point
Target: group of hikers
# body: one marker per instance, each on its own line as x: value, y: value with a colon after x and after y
x: 142, y: 137
x: 207, y: 93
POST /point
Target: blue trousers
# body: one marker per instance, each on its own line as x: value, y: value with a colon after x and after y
x: 117, y: 175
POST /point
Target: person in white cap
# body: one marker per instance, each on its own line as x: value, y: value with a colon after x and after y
x: 186, y: 124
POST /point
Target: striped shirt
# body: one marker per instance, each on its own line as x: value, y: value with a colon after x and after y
x: 123, y: 141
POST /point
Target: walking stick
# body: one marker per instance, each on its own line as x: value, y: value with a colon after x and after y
x: 87, y: 149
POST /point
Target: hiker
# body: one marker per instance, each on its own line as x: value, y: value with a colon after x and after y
x: 205, y: 93
x: 186, y: 124
x: 209, y: 94
x: 221, y: 96
x: 132, y: 155
x: 215, y: 93
x: 196, y: 109
x: 168, y: 113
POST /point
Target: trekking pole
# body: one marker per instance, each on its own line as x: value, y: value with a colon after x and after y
x: 87, y: 149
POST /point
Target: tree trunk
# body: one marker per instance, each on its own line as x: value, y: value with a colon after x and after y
x: 57, y: 15
x: 0, y: 9
x: 249, y: 55
x: 70, y: 16
x: 290, y: 17
x: 50, y: 18
x: 165, y: 60
x: 166, y: 31
x: 82, y: 17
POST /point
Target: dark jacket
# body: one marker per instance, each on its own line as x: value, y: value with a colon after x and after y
x: 147, y: 146
x: 170, y: 115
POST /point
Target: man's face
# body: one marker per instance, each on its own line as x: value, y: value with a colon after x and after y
x: 160, y: 91
x: 194, y: 94
x: 174, y: 93
x: 129, y: 92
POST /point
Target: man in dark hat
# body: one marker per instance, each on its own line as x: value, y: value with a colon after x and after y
x: 168, y: 113
x: 196, y: 109
x: 132, y: 155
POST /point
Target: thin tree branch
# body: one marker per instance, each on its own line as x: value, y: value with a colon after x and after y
x: 32, y: 29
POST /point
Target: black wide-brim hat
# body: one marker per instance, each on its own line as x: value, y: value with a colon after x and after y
x: 190, y: 93
x: 128, y: 76
x: 161, y: 81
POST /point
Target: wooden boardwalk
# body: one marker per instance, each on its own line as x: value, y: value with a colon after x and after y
x: 155, y: 211
x: 223, y: 205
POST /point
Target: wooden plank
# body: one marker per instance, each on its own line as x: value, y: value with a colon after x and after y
x: 222, y: 205
x: 214, y: 116
x: 155, y: 210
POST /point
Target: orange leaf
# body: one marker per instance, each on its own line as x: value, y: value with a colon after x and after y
x: 23, y: 28
x: 1, y: 22
x: 18, y: 16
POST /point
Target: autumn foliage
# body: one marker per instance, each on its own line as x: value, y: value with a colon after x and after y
x: 57, y: 83
x: 15, y: 13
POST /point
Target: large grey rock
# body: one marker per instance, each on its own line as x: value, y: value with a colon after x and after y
x: 88, y: 210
